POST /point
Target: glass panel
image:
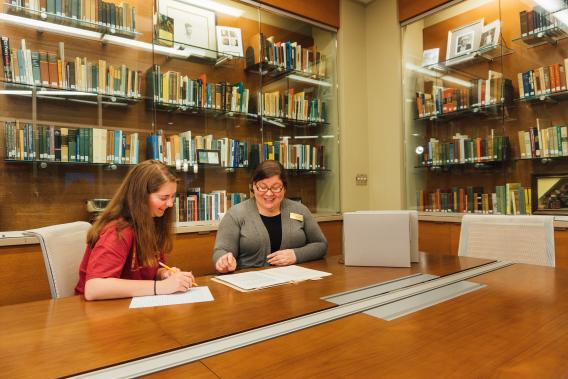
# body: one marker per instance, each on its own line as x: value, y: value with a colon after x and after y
x: 79, y: 72
x: 298, y: 106
x: 458, y: 93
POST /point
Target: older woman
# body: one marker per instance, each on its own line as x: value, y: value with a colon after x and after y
x: 267, y: 229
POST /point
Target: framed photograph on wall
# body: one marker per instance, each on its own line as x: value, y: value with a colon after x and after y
x: 194, y: 27
x: 463, y: 41
x: 229, y: 41
x: 490, y: 35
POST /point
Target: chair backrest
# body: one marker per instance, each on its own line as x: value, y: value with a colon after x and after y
x: 62, y: 247
x: 519, y: 239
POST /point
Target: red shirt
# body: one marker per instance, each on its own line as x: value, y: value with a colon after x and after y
x: 112, y: 257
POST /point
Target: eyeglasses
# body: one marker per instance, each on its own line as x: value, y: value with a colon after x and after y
x: 274, y: 189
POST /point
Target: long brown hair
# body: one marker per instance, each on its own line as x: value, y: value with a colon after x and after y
x: 129, y: 207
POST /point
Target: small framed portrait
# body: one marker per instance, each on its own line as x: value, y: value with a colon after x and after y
x: 490, y: 35
x: 430, y: 57
x: 208, y: 157
x: 464, y: 40
x: 229, y: 41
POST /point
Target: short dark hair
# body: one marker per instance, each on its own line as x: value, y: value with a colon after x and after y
x: 268, y: 169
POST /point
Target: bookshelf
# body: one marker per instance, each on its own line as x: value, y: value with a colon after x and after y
x: 121, y: 91
x: 466, y: 155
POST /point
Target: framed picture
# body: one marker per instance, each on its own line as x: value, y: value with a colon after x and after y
x: 490, y: 34
x: 430, y: 57
x: 551, y: 194
x: 229, y: 41
x: 464, y: 40
x: 208, y: 157
x: 194, y: 27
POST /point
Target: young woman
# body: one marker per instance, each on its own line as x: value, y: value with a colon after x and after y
x: 267, y: 229
x: 131, y: 237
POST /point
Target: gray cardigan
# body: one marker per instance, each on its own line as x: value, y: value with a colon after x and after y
x: 243, y: 233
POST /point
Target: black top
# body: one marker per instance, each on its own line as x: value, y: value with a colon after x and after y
x: 274, y: 227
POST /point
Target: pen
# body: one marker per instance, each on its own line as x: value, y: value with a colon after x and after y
x: 174, y: 270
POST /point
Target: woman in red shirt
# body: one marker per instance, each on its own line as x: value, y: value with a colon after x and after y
x: 131, y: 237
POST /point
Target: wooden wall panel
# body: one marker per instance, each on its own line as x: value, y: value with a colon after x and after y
x: 434, y: 237
x: 333, y: 231
x: 324, y: 11
x: 411, y: 8
x: 22, y: 275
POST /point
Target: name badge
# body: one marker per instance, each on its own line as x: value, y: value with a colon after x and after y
x: 296, y: 216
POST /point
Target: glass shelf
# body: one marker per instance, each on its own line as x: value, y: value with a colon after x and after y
x: 200, y: 54
x: 45, y: 163
x: 487, y: 53
x: 53, y: 93
x: 63, y: 19
x: 283, y: 122
x: 547, y: 97
x: 271, y: 72
x: 481, y: 111
x: 543, y: 160
x: 448, y: 166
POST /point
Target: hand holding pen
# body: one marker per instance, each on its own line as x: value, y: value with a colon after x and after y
x: 175, y: 280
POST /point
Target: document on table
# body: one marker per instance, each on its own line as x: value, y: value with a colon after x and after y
x: 194, y: 295
x: 252, y: 280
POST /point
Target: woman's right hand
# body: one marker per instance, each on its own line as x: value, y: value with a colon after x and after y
x: 180, y: 281
x: 226, y: 263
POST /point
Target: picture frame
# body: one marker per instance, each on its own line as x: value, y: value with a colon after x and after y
x: 550, y: 194
x: 194, y: 27
x: 490, y: 34
x: 464, y: 41
x: 208, y: 157
x: 430, y: 57
x: 229, y: 41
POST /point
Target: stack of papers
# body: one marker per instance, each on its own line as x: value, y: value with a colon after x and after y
x: 253, y: 280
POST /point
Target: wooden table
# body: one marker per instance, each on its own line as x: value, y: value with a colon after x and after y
x: 516, y: 327
x: 54, y: 338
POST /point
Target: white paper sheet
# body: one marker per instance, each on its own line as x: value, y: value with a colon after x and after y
x: 194, y: 295
x: 265, y: 278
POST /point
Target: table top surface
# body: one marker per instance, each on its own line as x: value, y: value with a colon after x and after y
x: 70, y: 335
x: 516, y: 326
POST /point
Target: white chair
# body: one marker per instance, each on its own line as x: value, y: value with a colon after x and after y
x: 519, y: 239
x: 63, y: 247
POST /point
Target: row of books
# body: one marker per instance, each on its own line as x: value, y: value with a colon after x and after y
x: 176, y: 149
x: 184, y: 148
x: 287, y: 55
x: 50, y: 69
x: 543, y: 80
x: 544, y: 140
x: 24, y: 141
x: 175, y: 88
x: 463, y: 149
x: 436, y: 100
x: 292, y: 105
x: 121, y: 17
x: 192, y: 205
x: 508, y: 199
x: 538, y: 20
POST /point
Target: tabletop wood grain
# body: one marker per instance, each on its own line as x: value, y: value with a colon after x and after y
x: 51, y: 338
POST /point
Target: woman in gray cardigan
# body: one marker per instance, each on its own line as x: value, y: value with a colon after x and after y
x: 267, y: 229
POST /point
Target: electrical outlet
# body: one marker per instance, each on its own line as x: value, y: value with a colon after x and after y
x: 361, y: 179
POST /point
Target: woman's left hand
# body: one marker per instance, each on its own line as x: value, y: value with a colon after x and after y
x: 282, y: 258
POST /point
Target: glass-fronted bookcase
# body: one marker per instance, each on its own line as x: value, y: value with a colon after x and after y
x: 484, y: 108
x: 89, y: 88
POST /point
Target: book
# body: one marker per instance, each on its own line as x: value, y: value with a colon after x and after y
x: 165, y: 30
x: 254, y: 280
